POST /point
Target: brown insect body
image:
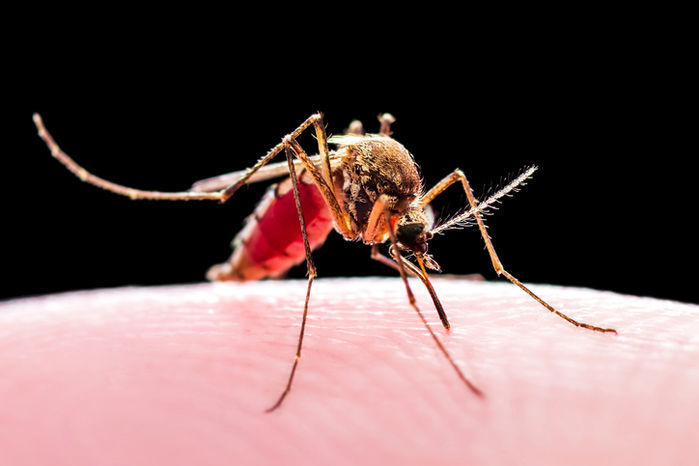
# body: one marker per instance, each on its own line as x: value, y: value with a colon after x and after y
x: 368, y: 189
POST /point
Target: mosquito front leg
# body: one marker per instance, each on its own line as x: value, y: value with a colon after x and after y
x: 340, y: 217
x: 323, y: 151
x: 311, y: 272
x: 458, y: 175
x: 315, y: 119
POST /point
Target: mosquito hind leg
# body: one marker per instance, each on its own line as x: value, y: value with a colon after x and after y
x: 457, y: 176
x: 88, y: 177
x: 340, y: 216
x: 221, y: 195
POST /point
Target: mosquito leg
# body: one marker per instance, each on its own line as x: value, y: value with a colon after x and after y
x: 88, y: 177
x: 341, y: 218
x: 376, y: 218
x: 322, y: 177
x: 401, y: 268
x: 323, y: 151
x: 458, y: 175
x: 221, y: 195
x: 311, y: 275
x: 229, y: 191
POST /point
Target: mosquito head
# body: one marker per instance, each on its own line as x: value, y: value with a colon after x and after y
x: 412, y: 231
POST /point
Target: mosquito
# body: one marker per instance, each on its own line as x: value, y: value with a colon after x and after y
x: 368, y: 188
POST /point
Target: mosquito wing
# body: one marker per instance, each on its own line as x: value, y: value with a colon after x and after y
x: 267, y: 172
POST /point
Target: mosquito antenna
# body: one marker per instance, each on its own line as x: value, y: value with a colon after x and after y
x: 482, y: 206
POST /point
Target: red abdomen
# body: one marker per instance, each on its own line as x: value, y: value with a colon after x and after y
x: 271, y: 241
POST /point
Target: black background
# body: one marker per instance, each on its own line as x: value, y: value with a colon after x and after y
x: 611, y: 207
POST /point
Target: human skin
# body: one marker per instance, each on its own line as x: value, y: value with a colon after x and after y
x: 182, y: 375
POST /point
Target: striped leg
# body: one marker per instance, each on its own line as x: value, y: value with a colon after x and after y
x: 311, y: 275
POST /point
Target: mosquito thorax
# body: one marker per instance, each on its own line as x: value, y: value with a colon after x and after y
x: 374, y: 165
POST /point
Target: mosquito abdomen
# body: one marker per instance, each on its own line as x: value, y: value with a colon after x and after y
x: 271, y: 241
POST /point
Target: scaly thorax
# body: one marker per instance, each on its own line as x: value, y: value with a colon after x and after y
x: 374, y: 165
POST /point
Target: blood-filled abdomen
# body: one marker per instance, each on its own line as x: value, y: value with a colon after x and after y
x: 271, y: 241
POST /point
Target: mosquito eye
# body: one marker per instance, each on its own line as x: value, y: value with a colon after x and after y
x: 409, y: 232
